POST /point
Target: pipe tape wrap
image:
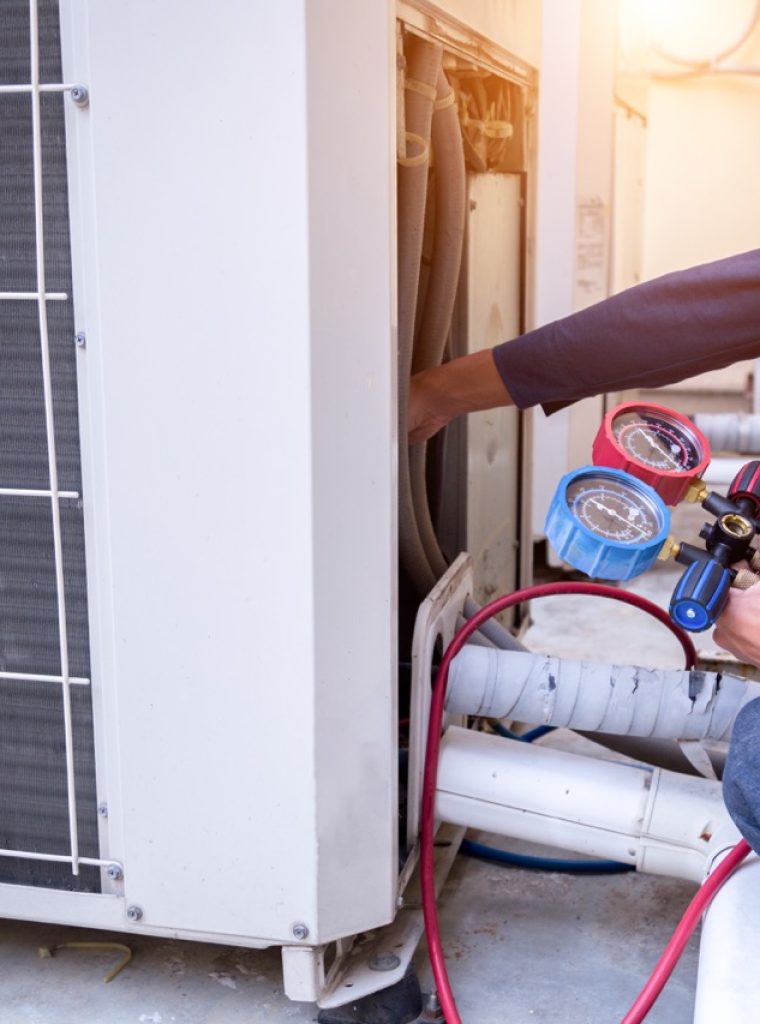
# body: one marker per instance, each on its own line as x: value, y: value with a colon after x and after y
x: 421, y: 88
x: 421, y: 157
x: 448, y: 101
x: 491, y: 129
x: 623, y: 700
x: 498, y: 130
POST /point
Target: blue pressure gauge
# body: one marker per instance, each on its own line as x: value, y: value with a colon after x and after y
x: 607, y: 523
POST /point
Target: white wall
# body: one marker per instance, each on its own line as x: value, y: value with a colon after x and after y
x: 703, y: 147
x: 703, y: 156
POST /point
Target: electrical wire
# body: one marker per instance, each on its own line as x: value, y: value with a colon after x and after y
x: 430, y: 778
x: 524, y: 860
x: 684, y: 930
x: 525, y: 737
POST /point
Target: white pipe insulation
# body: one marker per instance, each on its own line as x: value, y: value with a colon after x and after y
x: 619, y: 699
x: 663, y: 822
x: 730, y: 432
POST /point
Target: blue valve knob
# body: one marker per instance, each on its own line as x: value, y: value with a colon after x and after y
x: 702, y: 592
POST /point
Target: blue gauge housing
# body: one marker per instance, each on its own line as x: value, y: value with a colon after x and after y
x: 625, y: 549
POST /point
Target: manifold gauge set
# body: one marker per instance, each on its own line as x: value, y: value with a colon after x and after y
x: 611, y: 519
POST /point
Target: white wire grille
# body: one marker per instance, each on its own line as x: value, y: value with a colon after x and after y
x: 52, y: 493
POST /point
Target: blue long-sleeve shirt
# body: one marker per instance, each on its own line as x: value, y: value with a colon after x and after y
x: 656, y: 333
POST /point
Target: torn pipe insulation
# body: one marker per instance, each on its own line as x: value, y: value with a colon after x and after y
x: 617, y: 699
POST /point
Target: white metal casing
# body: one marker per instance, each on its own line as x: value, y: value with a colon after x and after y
x: 237, y: 399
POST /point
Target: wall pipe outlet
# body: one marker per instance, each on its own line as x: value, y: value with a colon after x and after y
x: 616, y: 699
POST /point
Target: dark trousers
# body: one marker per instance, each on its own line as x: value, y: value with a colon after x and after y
x: 741, y: 779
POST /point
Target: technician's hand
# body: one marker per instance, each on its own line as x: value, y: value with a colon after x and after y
x: 441, y: 393
x: 429, y: 409
x: 738, y: 628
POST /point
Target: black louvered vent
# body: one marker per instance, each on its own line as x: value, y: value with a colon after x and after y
x: 33, y: 791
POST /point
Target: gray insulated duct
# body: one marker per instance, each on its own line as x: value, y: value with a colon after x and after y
x: 616, y: 699
x: 435, y: 323
x: 422, y: 66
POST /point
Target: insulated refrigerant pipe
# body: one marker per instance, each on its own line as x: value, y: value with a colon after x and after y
x: 617, y: 699
x: 427, y: 91
x: 662, y: 822
x: 730, y: 432
x: 448, y: 239
x: 435, y: 323
x: 422, y: 65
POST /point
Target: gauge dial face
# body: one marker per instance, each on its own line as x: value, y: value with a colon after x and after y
x: 654, y: 440
x: 613, y: 510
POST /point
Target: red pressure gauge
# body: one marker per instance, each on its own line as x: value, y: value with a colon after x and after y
x: 655, y: 444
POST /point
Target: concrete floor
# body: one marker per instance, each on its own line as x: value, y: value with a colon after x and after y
x: 522, y: 946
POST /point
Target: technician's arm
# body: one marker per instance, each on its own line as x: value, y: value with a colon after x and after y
x: 657, y: 333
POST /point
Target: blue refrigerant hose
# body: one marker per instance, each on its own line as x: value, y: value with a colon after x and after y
x: 524, y: 860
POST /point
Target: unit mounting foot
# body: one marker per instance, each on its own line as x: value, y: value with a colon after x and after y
x: 399, y: 1004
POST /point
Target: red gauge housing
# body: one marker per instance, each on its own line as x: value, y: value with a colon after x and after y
x: 656, y: 444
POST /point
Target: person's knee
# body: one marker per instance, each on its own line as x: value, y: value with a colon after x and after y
x: 741, y: 778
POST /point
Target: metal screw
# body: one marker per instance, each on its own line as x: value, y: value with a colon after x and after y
x: 80, y: 96
x: 300, y: 931
x: 81, y: 339
x: 114, y: 872
x: 134, y: 913
x: 103, y: 810
x: 384, y: 962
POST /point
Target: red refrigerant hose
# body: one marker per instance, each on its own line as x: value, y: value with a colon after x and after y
x: 427, y: 831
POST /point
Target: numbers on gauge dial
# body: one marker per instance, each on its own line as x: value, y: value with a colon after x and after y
x: 613, y: 511
x: 656, y: 441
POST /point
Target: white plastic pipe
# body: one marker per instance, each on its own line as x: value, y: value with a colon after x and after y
x: 728, y: 982
x: 662, y: 822
x: 616, y: 699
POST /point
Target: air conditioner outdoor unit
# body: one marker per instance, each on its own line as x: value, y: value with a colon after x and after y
x: 198, y: 434
x: 197, y: 556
